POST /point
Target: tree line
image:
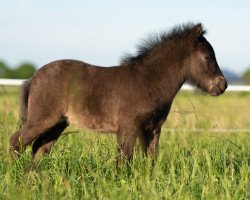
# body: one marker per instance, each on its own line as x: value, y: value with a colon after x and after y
x: 23, y: 71
x: 246, y: 77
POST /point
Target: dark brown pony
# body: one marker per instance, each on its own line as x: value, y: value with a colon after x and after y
x: 133, y: 99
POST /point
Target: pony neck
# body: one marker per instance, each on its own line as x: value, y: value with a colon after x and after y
x: 165, y: 74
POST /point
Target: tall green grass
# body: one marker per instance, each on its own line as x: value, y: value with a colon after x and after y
x: 190, y: 165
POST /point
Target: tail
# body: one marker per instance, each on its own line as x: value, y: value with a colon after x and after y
x: 24, y: 100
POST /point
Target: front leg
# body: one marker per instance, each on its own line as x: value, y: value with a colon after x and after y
x: 126, y: 138
x: 150, y: 141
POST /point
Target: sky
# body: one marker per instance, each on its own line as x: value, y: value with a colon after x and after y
x: 100, y: 32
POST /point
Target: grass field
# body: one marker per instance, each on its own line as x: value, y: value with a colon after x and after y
x: 191, y: 164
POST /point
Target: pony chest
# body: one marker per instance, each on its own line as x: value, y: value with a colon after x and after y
x: 155, y: 118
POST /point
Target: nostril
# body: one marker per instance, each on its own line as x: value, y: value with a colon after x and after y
x: 221, y: 78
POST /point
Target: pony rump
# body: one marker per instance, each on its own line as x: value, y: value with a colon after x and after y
x: 24, y: 100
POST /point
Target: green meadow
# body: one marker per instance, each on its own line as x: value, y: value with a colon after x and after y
x: 204, y: 153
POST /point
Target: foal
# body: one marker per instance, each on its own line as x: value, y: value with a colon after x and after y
x: 133, y: 99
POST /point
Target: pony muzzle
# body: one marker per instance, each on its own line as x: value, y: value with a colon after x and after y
x: 218, y: 86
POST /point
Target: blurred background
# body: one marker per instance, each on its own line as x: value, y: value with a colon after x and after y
x: 34, y: 33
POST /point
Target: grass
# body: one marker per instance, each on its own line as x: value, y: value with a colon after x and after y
x: 190, y: 165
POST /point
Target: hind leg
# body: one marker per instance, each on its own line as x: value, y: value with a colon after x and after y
x: 15, y: 140
x: 44, y: 143
x: 32, y: 130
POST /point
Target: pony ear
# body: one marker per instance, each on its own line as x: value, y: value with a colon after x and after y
x: 198, y: 30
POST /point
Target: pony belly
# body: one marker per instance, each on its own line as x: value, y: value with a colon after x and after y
x: 88, y: 121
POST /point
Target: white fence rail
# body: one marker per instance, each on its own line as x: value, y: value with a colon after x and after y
x: 231, y: 88
x: 11, y: 81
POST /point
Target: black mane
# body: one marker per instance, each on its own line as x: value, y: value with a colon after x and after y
x: 155, y: 39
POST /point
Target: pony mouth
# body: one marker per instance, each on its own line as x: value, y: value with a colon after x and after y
x: 216, y: 88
